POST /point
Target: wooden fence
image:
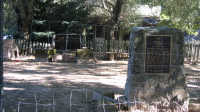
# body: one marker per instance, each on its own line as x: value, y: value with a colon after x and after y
x: 192, y: 52
x: 192, y: 49
x: 28, y: 47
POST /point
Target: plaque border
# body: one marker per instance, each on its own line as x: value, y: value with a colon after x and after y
x: 145, y: 52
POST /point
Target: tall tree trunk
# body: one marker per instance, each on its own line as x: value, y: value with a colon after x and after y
x: 24, y: 10
x: 117, y: 8
x: 113, y: 22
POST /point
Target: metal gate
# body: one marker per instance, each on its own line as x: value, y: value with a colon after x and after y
x: 64, y: 42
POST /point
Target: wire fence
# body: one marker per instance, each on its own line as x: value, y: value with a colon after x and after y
x: 32, y: 86
x: 54, y: 101
x: 62, y: 87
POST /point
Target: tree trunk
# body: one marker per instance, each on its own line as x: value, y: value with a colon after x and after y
x: 114, y: 20
x: 117, y: 8
x: 24, y: 10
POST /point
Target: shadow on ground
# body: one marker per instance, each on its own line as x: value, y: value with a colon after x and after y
x: 193, y: 82
x: 23, y: 79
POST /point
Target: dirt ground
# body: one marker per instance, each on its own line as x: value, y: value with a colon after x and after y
x: 28, y: 83
x: 193, y: 82
x: 31, y: 86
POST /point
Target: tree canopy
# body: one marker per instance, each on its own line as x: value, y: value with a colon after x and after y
x: 181, y: 14
x: 60, y: 16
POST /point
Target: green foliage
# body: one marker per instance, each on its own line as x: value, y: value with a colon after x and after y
x: 105, y: 10
x: 164, y: 16
x: 60, y: 17
x: 49, y: 15
x: 181, y: 14
x: 53, y: 15
x: 85, y: 53
x: 190, y: 27
x: 42, y: 36
x: 9, y: 18
x: 51, y: 52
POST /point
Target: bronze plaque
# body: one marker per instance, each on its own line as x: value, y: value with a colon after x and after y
x: 157, y: 56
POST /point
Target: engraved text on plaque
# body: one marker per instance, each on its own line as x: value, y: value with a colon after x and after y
x: 157, y: 58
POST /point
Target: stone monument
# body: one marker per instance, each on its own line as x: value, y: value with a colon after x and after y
x: 156, y: 79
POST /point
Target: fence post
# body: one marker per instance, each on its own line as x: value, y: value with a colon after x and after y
x: 197, y: 52
x: 1, y: 54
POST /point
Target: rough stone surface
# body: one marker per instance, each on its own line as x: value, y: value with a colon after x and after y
x: 156, y: 91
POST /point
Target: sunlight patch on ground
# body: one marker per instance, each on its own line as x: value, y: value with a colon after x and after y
x: 12, y: 88
x: 193, y: 86
x: 195, y: 68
